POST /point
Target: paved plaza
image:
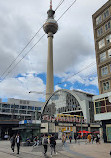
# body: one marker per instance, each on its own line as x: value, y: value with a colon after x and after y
x: 79, y: 150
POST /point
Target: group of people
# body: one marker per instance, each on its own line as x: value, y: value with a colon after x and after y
x: 92, y: 138
x: 15, y: 139
x: 51, y: 141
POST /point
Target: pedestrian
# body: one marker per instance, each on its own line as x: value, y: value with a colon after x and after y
x: 75, y: 137
x: 98, y: 139
x: 92, y: 138
x: 70, y: 138
x: 89, y: 138
x: 52, y: 141
x: 63, y: 139
x: 35, y: 141
x: 28, y: 141
x: 45, y: 143
x: 18, y: 139
x: 12, y: 140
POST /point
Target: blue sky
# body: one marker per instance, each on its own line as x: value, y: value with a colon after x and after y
x: 73, y: 50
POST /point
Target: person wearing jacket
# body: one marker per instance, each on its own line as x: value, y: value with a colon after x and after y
x: 18, y: 139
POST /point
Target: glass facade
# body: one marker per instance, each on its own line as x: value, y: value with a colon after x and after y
x: 64, y: 102
x: 102, y: 106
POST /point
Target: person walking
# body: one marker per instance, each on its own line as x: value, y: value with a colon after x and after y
x: 70, y: 138
x: 52, y: 141
x: 98, y: 139
x: 75, y: 137
x: 63, y: 139
x: 92, y: 138
x: 18, y: 139
x: 45, y: 143
x: 35, y: 141
x: 89, y: 138
x: 12, y: 140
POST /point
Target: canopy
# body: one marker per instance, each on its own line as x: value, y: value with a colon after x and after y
x: 96, y: 132
x: 84, y: 131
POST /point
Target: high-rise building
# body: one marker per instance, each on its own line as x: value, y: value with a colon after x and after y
x: 102, y: 37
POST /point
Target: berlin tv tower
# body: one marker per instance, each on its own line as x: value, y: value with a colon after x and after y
x: 50, y: 27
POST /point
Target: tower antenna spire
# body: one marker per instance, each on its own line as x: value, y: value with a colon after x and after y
x: 51, y: 4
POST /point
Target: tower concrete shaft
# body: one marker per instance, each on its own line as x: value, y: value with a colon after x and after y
x: 50, y: 27
x: 50, y: 80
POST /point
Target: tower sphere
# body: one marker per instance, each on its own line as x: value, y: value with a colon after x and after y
x: 51, y: 24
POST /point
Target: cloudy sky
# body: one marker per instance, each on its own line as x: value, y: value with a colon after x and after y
x: 74, y: 52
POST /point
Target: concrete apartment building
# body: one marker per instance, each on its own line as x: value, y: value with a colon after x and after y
x: 15, y: 110
x: 102, y: 36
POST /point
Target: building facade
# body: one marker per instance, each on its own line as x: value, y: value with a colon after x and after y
x: 102, y: 37
x: 15, y: 110
x: 76, y: 111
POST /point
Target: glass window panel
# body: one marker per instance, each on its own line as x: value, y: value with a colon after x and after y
x: 108, y: 39
x: 6, y: 110
x: 101, y: 43
x: 107, y: 26
x: 100, y: 107
x: 106, y: 86
x: 110, y: 67
x: 104, y: 70
x: 31, y: 107
x: 23, y: 107
x: 5, y: 105
x: 108, y: 105
x: 98, y: 19
x: 102, y: 56
x: 99, y: 31
x: 106, y: 14
x: 22, y: 111
x: 109, y: 53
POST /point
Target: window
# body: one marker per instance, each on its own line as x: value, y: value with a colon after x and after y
x: 104, y: 70
x: 5, y: 106
x: 106, y: 14
x: 107, y: 26
x: 106, y: 86
x: 31, y: 107
x: 109, y: 53
x: 98, y: 19
x: 99, y: 31
x: 102, y: 57
x: 23, y: 107
x: 110, y: 67
x: 101, y: 43
x: 108, y: 39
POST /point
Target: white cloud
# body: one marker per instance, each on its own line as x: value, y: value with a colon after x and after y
x: 20, y: 87
x: 73, y: 43
x: 57, y: 87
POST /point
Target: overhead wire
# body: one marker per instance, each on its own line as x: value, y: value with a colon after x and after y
x: 24, y: 56
x: 21, y: 52
x: 34, y: 44
x: 60, y: 3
